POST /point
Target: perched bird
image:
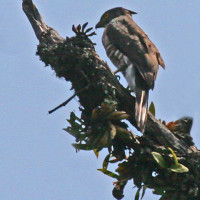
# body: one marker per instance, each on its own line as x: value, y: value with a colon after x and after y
x: 131, y: 51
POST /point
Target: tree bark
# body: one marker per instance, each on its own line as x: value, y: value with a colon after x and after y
x: 75, y: 60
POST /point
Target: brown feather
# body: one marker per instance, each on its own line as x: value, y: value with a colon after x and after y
x: 131, y: 40
x: 133, y: 53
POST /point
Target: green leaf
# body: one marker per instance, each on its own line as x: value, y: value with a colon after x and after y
x: 152, y: 109
x: 179, y: 168
x: 96, y: 152
x: 174, y: 156
x: 159, y: 159
x: 83, y: 146
x: 106, y: 161
x: 114, y: 160
x: 109, y: 173
x: 143, y: 191
x: 73, y: 123
x: 71, y: 132
x: 137, y: 195
x: 74, y: 117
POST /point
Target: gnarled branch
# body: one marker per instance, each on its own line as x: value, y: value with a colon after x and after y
x: 75, y: 60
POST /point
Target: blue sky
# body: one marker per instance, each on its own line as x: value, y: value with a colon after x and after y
x: 37, y: 159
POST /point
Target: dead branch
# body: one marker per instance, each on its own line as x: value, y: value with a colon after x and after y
x: 75, y: 60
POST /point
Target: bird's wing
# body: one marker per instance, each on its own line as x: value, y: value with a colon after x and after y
x: 149, y: 45
x: 135, y: 44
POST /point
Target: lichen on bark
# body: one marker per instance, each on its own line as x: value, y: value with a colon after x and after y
x: 153, y: 160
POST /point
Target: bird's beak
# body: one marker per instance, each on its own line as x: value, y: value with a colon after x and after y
x: 99, y: 25
x: 131, y: 12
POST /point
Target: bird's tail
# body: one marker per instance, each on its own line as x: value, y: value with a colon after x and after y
x: 141, y: 108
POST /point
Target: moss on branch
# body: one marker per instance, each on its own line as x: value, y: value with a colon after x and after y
x: 160, y: 159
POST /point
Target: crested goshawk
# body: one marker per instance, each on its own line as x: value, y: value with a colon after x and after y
x: 131, y: 51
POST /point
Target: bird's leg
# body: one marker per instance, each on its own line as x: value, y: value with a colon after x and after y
x: 120, y: 69
x: 116, y: 71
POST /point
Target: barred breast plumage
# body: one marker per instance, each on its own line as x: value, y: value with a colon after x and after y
x: 120, y: 60
x: 133, y: 53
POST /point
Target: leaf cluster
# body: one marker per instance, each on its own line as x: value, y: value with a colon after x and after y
x: 102, y: 124
x: 153, y: 167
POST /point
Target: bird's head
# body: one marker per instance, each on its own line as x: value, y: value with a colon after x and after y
x: 111, y: 14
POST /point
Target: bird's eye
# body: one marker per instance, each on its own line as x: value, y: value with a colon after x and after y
x: 106, y: 15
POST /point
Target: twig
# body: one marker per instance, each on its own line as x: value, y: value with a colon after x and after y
x: 68, y: 100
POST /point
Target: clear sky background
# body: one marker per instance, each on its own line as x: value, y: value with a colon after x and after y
x: 37, y: 159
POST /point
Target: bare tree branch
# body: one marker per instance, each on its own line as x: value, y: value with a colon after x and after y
x: 75, y: 60
x: 38, y: 24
